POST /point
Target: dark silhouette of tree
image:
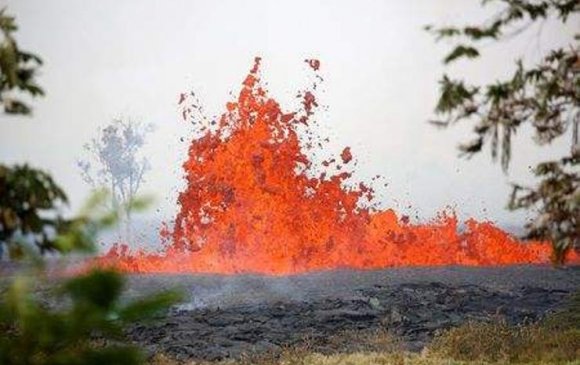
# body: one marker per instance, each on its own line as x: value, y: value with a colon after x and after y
x: 546, y: 97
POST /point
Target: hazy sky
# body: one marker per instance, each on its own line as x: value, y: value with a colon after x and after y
x: 110, y: 58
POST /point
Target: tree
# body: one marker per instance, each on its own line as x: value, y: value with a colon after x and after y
x: 87, y: 325
x: 18, y: 70
x: 546, y: 97
x: 30, y: 203
x: 118, y: 165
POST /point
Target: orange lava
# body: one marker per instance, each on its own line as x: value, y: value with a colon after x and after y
x: 253, y: 204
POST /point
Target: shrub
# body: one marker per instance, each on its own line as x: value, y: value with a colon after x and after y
x: 84, y: 322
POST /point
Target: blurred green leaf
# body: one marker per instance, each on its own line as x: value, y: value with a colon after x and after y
x: 461, y: 51
x: 149, y: 307
x: 141, y: 203
x: 89, y: 288
x: 18, y: 69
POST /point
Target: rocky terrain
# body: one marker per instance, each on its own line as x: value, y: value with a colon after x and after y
x: 227, y: 316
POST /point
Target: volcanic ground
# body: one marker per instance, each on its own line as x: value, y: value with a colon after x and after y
x: 228, y: 316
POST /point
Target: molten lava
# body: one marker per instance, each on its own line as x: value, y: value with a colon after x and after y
x: 253, y: 204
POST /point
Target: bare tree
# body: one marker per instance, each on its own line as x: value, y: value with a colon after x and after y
x: 114, y: 163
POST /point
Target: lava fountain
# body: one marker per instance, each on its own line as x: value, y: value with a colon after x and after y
x: 252, y: 203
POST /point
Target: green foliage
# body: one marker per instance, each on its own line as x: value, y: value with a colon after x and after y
x: 558, y: 195
x: 462, y: 51
x: 86, y: 320
x: 30, y: 213
x: 546, y: 97
x: 29, y: 209
x: 455, y: 94
x: 89, y: 330
x: 18, y: 69
x: 518, y: 14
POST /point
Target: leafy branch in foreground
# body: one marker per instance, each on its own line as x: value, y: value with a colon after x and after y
x: 88, y: 331
x: 558, y: 197
x: 18, y: 69
x: 86, y: 320
x: 545, y: 97
x: 30, y: 201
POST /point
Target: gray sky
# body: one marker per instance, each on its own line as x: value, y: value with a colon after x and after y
x: 110, y: 58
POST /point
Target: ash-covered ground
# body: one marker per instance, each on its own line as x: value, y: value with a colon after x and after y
x: 227, y: 316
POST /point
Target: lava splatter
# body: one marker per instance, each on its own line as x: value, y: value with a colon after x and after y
x: 252, y: 204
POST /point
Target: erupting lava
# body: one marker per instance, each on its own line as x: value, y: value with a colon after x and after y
x: 252, y: 204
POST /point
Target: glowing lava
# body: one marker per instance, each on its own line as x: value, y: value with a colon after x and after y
x: 253, y: 204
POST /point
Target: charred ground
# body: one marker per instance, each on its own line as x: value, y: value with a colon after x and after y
x: 228, y: 316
